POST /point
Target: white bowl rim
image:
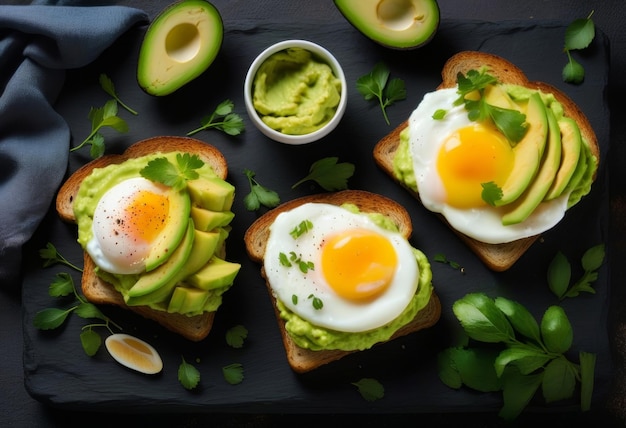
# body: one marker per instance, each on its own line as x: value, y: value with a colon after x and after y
x: 325, y: 55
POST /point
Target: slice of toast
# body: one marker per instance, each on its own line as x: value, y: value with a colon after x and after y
x: 97, y: 291
x: 497, y: 257
x: 304, y: 360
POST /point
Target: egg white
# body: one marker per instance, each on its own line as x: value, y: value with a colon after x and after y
x: 426, y: 136
x: 337, y: 313
x: 111, y: 251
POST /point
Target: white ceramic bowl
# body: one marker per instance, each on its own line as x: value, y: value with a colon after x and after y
x: 320, y: 53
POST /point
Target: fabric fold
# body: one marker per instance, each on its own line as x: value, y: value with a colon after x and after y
x: 37, y: 44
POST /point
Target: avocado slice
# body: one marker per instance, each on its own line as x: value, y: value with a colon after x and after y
x: 571, y: 142
x: 190, y: 301
x: 213, y: 194
x: 179, y: 45
x: 217, y: 273
x: 396, y: 24
x: 528, y: 152
x: 537, y: 190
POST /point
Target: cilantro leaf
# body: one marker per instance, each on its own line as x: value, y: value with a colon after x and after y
x: 578, y: 35
x: 491, y: 193
x: 105, y: 116
x: 329, y: 174
x: 376, y: 85
x: 370, y: 389
x: 511, y: 123
x: 107, y: 85
x: 91, y: 341
x: 236, y: 335
x: 188, y: 375
x: 223, y: 118
x: 259, y: 195
x: 63, y: 285
x: 233, y: 373
x: 161, y: 170
x: 50, y: 318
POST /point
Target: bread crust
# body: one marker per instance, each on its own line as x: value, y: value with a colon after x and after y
x: 497, y: 257
x: 304, y: 360
x: 97, y: 291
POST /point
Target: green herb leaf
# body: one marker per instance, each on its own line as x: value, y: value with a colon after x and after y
x: 527, y: 359
x: 580, y: 33
x: 50, y: 318
x: 473, y: 367
x: 439, y: 114
x: 376, y: 85
x: 559, y: 275
x: 63, y: 285
x: 511, y: 123
x: 593, y: 258
x: 236, y: 335
x: 51, y: 256
x: 107, y: 85
x: 517, y: 391
x: 259, y: 195
x: 370, y: 389
x: 329, y: 174
x: 556, y: 330
x: 559, y: 380
x: 161, y: 170
x: 482, y: 320
x: 573, y: 72
x: 441, y: 258
x: 233, y: 373
x: 521, y: 319
x: 491, y: 193
x: 222, y: 119
x: 301, y: 229
x: 105, y: 116
x: 89, y: 310
x: 188, y: 375
x: 91, y: 341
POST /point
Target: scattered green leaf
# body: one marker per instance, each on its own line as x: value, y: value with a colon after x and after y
x: 103, y: 117
x: 560, y: 272
x: 161, y: 170
x: 376, y: 85
x: 259, y: 195
x: 370, y: 389
x: 439, y: 114
x: 578, y: 35
x: 188, y: 375
x: 233, y: 373
x: 50, y: 256
x: 301, y: 229
x: 91, y: 341
x: 511, y: 123
x: 316, y: 302
x: 528, y: 355
x: 329, y: 174
x: 107, y: 85
x: 441, y: 258
x: 236, y: 335
x: 223, y: 119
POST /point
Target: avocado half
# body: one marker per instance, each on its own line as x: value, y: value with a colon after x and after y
x: 179, y: 45
x: 397, y: 24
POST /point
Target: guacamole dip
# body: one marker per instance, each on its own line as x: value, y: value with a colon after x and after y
x: 309, y: 336
x: 295, y: 93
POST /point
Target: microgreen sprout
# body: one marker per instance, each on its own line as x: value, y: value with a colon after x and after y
x: 102, y: 117
x: 376, y: 85
x: 259, y: 195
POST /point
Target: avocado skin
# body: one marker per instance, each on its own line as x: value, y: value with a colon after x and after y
x: 172, y: 31
x: 364, y: 16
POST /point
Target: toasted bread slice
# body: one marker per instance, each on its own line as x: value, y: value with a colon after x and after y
x: 304, y: 360
x: 497, y: 257
x: 194, y: 328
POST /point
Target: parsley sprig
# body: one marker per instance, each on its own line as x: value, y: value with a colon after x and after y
x: 511, y: 123
x: 578, y: 35
x: 107, y: 85
x: 103, y: 117
x: 223, y: 118
x: 329, y: 174
x: 62, y: 287
x: 376, y: 85
x: 161, y: 170
x: 259, y: 194
x: 560, y: 273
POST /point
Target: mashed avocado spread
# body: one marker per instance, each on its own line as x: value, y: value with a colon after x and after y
x: 309, y: 336
x: 295, y: 93
x: 403, y: 162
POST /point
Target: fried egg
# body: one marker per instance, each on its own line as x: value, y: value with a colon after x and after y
x: 126, y: 222
x: 453, y: 157
x: 338, y: 269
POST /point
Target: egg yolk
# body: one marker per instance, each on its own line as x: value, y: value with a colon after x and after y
x: 144, y: 216
x: 469, y: 157
x: 358, y: 264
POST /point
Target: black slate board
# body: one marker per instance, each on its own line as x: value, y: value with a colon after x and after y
x: 59, y: 374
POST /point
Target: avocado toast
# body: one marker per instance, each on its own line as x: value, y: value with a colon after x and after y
x: 303, y: 358
x: 173, y: 292
x: 500, y: 256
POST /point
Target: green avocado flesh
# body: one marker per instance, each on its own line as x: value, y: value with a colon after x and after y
x: 398, y: 24
x: 179, y: 45
x: 196, y: 251
x: 552, y: 160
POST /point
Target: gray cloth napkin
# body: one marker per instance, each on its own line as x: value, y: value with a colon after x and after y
x: 37, y: 44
